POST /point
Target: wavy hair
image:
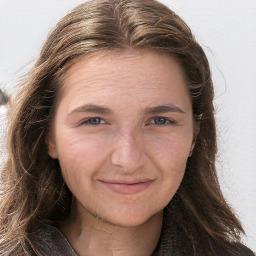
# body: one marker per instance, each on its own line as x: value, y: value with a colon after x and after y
x: 32, y: 187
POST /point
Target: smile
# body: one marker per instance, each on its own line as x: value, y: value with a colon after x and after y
x: 127, y: 188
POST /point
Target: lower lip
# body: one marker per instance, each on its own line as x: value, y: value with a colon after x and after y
x: 128, y: 189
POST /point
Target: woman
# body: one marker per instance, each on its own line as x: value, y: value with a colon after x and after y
x: 112, y: 145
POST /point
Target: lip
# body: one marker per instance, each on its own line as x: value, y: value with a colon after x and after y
x: 127, y: 188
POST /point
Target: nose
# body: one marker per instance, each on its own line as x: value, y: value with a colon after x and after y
x: 128, y: 151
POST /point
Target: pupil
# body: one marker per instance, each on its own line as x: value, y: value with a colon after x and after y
x: 95, y: 121
x: 160, y: 120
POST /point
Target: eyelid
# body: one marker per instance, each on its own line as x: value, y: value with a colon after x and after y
x: 86, y: 121
x: 170, y: 121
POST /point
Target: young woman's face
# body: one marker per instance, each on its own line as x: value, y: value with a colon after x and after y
x: 122, y: 133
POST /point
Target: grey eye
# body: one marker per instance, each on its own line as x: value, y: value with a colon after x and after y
x: 94, y: 121
x: 160, y: 120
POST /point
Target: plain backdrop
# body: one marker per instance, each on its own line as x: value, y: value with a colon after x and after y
x: 227, y: 31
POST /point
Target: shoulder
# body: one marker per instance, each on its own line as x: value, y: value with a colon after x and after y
x: 48, y: 240
x: 239, y: 249
x: 175, y: 241
x: 231, y: 249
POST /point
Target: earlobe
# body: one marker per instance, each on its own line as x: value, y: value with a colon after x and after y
x: 195, y: 133
x: 52, y: 150
x: 192, y: 147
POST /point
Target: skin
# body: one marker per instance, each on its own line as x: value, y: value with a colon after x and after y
x: 122, y: 132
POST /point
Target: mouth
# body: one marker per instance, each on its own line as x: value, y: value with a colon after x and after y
x: 127, y: 188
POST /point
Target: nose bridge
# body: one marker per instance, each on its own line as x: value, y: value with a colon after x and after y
x: 128, y: 150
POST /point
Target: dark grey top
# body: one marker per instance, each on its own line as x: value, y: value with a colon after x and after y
x: 51, y: 242
x: 48, y: 240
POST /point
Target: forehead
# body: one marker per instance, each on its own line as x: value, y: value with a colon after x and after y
x: 124, y: 74
x: 108, y: 67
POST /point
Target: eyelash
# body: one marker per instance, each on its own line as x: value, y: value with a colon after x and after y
x: 163, y: 121
x: 166, y: 121
x: 89, y: 121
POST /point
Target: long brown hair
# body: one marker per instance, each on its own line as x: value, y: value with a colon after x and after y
x: 32, y: 187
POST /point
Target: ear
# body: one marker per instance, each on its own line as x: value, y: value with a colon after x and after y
x: 51, y: 144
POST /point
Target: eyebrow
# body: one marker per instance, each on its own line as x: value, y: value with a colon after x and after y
x: 163, y: 109
x: 104, y: 110
x: 91, y: 108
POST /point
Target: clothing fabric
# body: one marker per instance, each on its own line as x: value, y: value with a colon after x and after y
x: 51, y: 242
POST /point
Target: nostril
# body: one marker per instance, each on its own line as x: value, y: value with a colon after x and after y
x: 128, y: 157
x: 128, y: 149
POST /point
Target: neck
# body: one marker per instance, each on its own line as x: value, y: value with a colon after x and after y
x: 91, y: 236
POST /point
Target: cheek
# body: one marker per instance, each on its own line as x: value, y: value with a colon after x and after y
x: 169, y: 155
x: 78, y: 146
x: 170, y: 150
x: 79, y: 155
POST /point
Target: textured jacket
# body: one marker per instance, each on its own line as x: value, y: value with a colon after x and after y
x: 51, y: 242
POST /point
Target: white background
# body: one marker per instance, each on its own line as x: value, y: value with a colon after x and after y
x: 227, y: 31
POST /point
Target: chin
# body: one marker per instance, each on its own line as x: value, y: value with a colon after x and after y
x: 130, y: 219
x: 123, y: 214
